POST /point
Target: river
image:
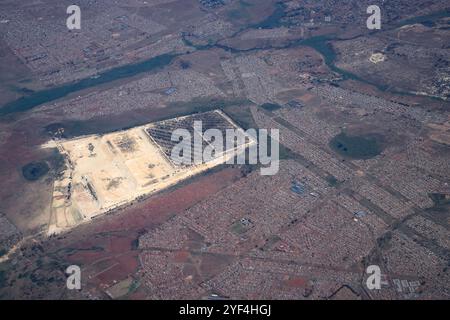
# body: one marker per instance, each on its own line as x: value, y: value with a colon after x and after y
x: 319, y: 43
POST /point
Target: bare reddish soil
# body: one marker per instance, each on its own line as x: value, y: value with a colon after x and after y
x: 108, y: 251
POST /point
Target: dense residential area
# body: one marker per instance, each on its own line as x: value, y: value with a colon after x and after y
x: 362, y: 117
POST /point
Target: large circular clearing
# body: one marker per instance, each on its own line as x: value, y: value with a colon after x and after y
x: 34, y: 170
x: 356, y: 147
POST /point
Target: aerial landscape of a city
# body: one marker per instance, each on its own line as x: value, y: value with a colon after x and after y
x: 225, y: 150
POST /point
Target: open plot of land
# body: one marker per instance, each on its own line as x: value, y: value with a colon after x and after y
x: 107, y: 171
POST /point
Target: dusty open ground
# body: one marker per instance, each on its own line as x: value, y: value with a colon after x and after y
x: 104, y: 172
